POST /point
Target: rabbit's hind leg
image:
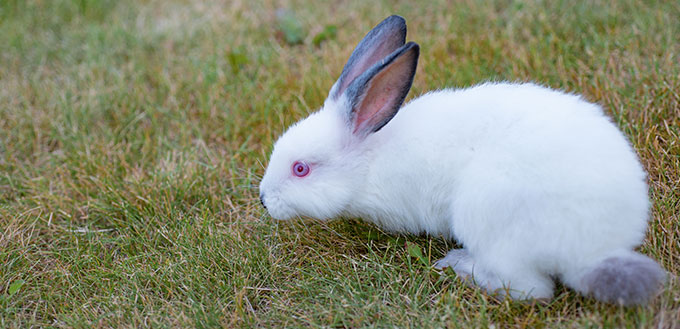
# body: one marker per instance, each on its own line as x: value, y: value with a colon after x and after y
x: 516, y: 281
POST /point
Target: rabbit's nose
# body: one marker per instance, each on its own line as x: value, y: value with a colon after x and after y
x: 262, y: 201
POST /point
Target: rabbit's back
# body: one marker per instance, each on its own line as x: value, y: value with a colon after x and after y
x: 531, y: 162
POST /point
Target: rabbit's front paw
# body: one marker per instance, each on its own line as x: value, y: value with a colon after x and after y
x: 459, y: 260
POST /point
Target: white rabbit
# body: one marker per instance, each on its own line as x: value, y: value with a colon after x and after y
x: 535, y: 184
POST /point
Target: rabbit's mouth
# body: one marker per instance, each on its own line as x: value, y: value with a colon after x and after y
x: 276, y: 208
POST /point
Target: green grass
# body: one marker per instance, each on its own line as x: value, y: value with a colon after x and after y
x: 133, y: 135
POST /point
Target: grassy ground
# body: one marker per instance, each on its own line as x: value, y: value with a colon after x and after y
x: 133, y: 133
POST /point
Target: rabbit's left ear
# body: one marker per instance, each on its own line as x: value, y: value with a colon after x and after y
x: 375, y: 96
x: 382, y: 40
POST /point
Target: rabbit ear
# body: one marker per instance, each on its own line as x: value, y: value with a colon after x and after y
x: 375, y: 96
x: 382, y: 40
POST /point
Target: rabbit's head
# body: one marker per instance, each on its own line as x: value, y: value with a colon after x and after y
x: 320, y: 164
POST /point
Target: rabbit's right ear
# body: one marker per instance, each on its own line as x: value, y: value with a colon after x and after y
x: 381, y: 41
x: 375, y: 96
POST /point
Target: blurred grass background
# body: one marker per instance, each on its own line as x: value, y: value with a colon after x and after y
x: 133, y: 135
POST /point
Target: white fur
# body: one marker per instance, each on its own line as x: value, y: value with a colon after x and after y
x: 532, y: 182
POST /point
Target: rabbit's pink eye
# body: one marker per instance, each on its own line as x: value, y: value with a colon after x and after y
x: 300, y: 169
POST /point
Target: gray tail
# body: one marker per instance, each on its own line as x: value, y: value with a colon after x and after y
x: 627, y: 279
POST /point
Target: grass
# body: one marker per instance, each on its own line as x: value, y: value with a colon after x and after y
x: 133, y: 135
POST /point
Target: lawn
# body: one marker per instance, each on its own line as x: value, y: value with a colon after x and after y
x: 133, y: 135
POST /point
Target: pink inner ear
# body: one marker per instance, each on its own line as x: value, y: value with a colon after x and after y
x: 378, y: 103
x: 382, y: 95
x: 377, y: 54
